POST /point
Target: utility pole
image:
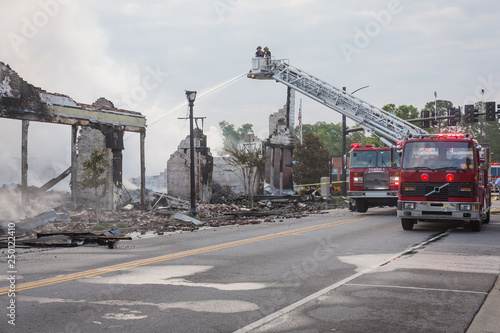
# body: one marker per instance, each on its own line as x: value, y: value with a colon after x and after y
x: 344, y: 151
x: 191, y: 96
x: 343, y: 176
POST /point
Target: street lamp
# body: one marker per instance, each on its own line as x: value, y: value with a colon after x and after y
x: 343, y: 176
x: 191, y: 96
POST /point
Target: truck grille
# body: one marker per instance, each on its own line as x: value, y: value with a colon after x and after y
x: 376, y: 181
x: 438, y: 191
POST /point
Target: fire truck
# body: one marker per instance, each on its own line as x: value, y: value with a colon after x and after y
x: 372, y: 184
x: 495, y: 173
x: 379, y: 182
x: 373, y: 178
x: 444, y: 178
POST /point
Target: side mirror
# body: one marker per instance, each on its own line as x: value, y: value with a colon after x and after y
x: 482, y: 156
x: 393, y: 158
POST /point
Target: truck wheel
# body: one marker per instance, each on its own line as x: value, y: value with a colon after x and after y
x: 361, y: 206
x: 407, y: 224
x: 476, y: 225
x: 487, y: 218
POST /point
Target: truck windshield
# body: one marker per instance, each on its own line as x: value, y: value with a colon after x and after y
x: 363, y: 159
x: 438, y: 155
x: 384, y: 159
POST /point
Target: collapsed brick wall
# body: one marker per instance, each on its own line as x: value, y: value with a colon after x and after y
x: 279, y: 148
x: 178, y: 169
x: 109, y: 197
x: 227, y: 176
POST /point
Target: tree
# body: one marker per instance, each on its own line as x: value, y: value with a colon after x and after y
x: 232, y: 135
x: 486, y: 133
x: 311, y: 160
x: 250, y: 161
x: 442, y: 107
x: 94, y: 167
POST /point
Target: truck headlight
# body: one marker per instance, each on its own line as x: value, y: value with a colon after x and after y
x: 408, y: 205
x: 467, y: 207
x: 357, y: 181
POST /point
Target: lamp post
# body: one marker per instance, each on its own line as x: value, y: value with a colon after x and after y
x: 343, y: 176
x: 191, y: 96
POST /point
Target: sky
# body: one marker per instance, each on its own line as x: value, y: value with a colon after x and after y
x: 143, y: 56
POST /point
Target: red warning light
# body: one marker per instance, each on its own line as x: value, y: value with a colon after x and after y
x: 424, y: 177
x: 355, y: 145
x: 449, y: 177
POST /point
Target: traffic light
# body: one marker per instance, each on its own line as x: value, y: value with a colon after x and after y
x: 434, y: 122
x: 498, y: 110
x: 490, y: 111
x: 469, y: 114
x: 452, y: 121
x: 427, y: 123
x: 458, y: 115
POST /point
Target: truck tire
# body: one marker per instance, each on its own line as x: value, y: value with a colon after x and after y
x: 475, y: 225
x: 361, y: 206
x: 407, y: 224
x: 487, y: 218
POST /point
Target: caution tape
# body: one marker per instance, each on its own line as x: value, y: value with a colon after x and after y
x: 340, y: 181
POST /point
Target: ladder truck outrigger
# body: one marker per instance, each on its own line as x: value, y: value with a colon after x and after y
x: 371, y: 183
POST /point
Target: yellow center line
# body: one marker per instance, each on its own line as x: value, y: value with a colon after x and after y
x: 99, y: 271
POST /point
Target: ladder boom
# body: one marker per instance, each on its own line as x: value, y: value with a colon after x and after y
x: 388, y: 127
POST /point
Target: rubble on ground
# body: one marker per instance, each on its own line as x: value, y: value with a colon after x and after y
x: 167, y: 214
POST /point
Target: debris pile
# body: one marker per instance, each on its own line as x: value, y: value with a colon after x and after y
x: 69, y: 226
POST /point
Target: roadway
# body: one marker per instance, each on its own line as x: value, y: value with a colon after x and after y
x: 338, y: 271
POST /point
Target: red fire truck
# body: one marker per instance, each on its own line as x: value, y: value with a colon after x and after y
x: 495, y: 173
x: 373, y: 179
x: 444, y: 178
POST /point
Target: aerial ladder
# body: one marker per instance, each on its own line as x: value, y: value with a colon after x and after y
x: 389, y: 128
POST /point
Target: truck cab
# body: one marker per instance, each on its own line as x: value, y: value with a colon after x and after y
x: 444, y: 178
x: 373, y: 177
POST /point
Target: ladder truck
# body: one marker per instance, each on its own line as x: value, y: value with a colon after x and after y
x: 390, y: 129
x: 444, y: 178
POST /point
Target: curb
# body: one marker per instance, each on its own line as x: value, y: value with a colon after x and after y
x: 487, y: 319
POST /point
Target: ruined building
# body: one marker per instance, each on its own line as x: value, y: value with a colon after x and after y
x: 23, y: 101
x: 178, y: 172
x: 279, y: 147
x: 228, y: 178
x: 216, y: 174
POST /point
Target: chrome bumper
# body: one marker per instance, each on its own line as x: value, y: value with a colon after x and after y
x: 372, y: 194
x: 439, y: 211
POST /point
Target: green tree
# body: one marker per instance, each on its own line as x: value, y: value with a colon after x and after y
x: 329, y: 133
x: 485, y: 132
x: 407, y: 112
x: 311, y: 160
x: 250, y: 161
x: 245, y: 129
x: 442, y: 107
x: 94, y: 167
x: 229, y: 132
x: 232, y: 135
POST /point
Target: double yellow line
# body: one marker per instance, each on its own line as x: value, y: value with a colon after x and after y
x: 99, y: 271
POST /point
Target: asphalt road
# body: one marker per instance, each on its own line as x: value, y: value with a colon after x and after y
x: 334, y: 272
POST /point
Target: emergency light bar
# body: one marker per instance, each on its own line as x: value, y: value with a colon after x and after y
x: 441, y: 136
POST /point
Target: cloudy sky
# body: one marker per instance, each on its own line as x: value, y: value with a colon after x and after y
x: 143, y: 55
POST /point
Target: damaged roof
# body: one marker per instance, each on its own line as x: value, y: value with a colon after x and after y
x: 21, y: 100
